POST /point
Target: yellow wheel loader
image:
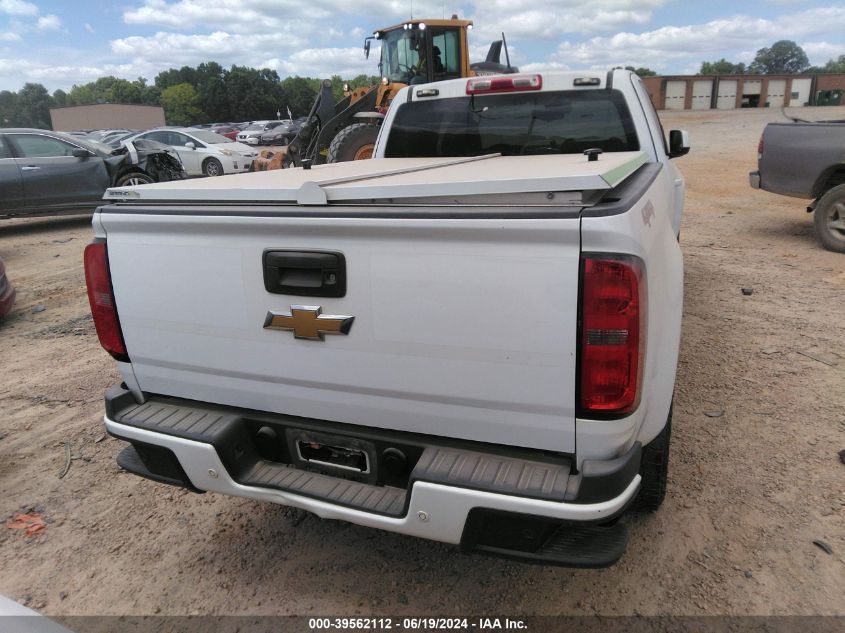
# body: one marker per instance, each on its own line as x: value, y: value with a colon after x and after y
x: 414, y: 52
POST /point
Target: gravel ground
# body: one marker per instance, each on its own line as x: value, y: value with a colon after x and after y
x: 752, y: 484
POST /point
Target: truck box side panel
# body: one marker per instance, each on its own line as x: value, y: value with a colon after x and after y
x: 647, y: 232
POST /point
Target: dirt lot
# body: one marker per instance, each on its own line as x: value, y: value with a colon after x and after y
x: 752, y: 485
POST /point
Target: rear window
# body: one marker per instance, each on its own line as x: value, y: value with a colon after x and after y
x: 565, y: 122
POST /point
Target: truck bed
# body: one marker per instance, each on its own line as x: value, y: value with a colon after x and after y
x: 416, y: 180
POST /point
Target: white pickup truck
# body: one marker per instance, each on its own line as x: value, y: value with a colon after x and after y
x: 471, y: 338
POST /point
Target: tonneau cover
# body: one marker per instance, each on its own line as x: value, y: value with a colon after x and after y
x: 397, y: 179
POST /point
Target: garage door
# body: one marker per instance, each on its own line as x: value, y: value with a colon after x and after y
x: 702, y: 90
x: 727, y: 94
x: 676, y: 92
x: 776, y: 93
x: 800, y: 95
x: 751, y: 89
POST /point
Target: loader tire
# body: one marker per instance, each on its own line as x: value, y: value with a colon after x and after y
x: 829, y: 219
x: 354, y: 142
x: 654, y: 470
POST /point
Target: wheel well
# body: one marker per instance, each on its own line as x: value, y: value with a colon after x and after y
x: 131, y: 169
x: 830, y: 178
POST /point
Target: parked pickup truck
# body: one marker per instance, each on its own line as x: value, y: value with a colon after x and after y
x: 807, y: 160
x: 472, y: 338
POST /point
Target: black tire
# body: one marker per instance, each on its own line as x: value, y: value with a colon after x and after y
x: 132, y: 178
x: 829, y: 219
x: 352, y: 142
x: 212, y: 167
x: 654, y: 470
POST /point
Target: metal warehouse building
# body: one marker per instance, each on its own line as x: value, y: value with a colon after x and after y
x: 107, y: 115
x: 726, y: 92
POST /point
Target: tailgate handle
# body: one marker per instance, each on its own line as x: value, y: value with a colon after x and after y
x: 305, y: 273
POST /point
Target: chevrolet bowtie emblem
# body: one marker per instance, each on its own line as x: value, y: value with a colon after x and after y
x: 307, y: 322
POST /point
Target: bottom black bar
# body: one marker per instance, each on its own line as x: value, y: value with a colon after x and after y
x: 485, y: 623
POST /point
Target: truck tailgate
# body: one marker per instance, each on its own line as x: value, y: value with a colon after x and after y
x: 462, y: 327
x: 461, y: 291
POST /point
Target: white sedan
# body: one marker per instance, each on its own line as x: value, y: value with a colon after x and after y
x: 204, y: 153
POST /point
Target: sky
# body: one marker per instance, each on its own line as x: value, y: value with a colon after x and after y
x: 59, y: 43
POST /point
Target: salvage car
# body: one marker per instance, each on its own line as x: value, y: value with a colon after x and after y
x: 229, y: 131
x: 204, y: 153
x: 44, y: 172
x: 282, y: 134
x: 252, y: 133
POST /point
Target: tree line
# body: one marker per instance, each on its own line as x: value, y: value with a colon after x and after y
x: 189, y: 95
x: 211, y: 93
x: 784, y: 57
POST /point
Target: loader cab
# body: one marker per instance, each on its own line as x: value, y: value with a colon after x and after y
x: 419, y: 51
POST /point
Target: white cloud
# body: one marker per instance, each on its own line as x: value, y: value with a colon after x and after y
x: 673, y: 46
x: 820, y: 52
x: 261, y: 15
x: 244, y: 16
x: 180, y: 49
x: 320, y: 38
x: 18, y: 7
x: 325, y: 62
x: 549, y: 19
x: 59, y: 74
x: 49, y: 23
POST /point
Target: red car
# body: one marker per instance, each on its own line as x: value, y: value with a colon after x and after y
x: 226, y: 130
x: 7, y: 292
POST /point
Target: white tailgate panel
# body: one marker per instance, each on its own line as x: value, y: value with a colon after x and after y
x: 463, y: 327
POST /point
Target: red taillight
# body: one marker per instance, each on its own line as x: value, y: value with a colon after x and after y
x: 760, y: 147
x: 611, y: 357
x: 101, y: 298
x: 508, y: 83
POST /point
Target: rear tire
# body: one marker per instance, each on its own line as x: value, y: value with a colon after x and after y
x: 654, y: 470
x: 829, y: 219
x: 354, y: 142
x: 132, y: 178
x: 212, y: 167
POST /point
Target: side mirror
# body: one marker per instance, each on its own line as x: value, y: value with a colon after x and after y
x: 367, y: 48
x: 78, y: 152
x: 190, y: 145
x: 679, y: 144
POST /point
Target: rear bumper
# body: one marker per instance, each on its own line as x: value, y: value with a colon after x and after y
x: 754, y: 179
x: 546, y: 514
